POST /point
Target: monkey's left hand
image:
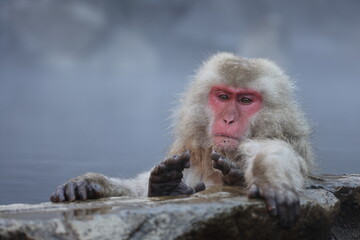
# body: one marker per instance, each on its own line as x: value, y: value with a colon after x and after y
x: 165, y: 178
x: 282, y: 202
x: 232, y: 174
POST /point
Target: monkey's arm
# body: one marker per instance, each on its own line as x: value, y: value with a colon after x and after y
x: 165, y: 179
x: 95, y: 185
x: 274, y: 172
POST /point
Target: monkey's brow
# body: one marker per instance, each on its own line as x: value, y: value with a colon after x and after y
x: 219, y: 90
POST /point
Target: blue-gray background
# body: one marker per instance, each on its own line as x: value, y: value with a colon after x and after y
x: 88, y: 85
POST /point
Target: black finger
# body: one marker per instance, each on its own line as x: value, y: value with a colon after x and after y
x: 235, y: 177
x: 89, y: 191
x: 187, y: 191
x: 215, y: 155
x: 182, y: 189
x: 81, y: 191
x: 70, y: 191
x: 184, y: 158
x: 53, y: 197
x: 59, y: 194
x: 270, y: 200
x: 199, y: 187
x: 160, y: 168
x: 291, y: 213
x: 283, y: 211
x: 177, y: 162
x: 295, y: 210
x: 172, y: 163
x: 253, y: 192
x: 219, y: 164
x: 222, y: 163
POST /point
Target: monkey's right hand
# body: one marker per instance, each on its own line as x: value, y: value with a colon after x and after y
x: 232, y: 174
x: 165, y: 178
x: 87, y: 186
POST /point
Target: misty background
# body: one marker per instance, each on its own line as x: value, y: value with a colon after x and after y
x: 89, y: 85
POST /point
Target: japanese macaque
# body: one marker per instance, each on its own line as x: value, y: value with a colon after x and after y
x: 237, y: 124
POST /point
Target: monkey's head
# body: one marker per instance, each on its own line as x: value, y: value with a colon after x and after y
x: 231, y: 99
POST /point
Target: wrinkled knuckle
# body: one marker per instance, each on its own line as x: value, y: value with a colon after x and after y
x: 81, y: 183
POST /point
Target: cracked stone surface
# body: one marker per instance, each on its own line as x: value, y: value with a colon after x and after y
x: 329, y: 210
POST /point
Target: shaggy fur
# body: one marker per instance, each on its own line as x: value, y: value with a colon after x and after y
x: 280, y: 119
x: 274, y: 154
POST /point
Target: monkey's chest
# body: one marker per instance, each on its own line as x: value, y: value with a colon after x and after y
x: 195, y: 175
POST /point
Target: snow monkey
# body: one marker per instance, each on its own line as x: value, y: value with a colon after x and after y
x: 236, y: 124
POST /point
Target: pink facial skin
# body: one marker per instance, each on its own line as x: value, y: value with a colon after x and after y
x: 232, y: 108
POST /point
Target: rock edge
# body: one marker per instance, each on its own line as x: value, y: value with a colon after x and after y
x: 330, y: 210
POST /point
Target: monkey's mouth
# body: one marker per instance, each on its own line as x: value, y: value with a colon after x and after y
x: 226, y: 136
x: 225, y: 142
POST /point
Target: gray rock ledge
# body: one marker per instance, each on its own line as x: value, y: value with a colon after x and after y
x: 330, y: 210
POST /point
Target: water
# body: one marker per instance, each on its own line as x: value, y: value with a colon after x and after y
x: 89, y: 86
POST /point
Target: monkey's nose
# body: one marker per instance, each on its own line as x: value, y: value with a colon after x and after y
x: 228, y: 121
x: 229, y: 118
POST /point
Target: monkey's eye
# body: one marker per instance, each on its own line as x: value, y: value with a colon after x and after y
x: 223, y: 97
x: 245, y: 100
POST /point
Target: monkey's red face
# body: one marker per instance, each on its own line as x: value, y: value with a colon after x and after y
x: 232, y: 109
